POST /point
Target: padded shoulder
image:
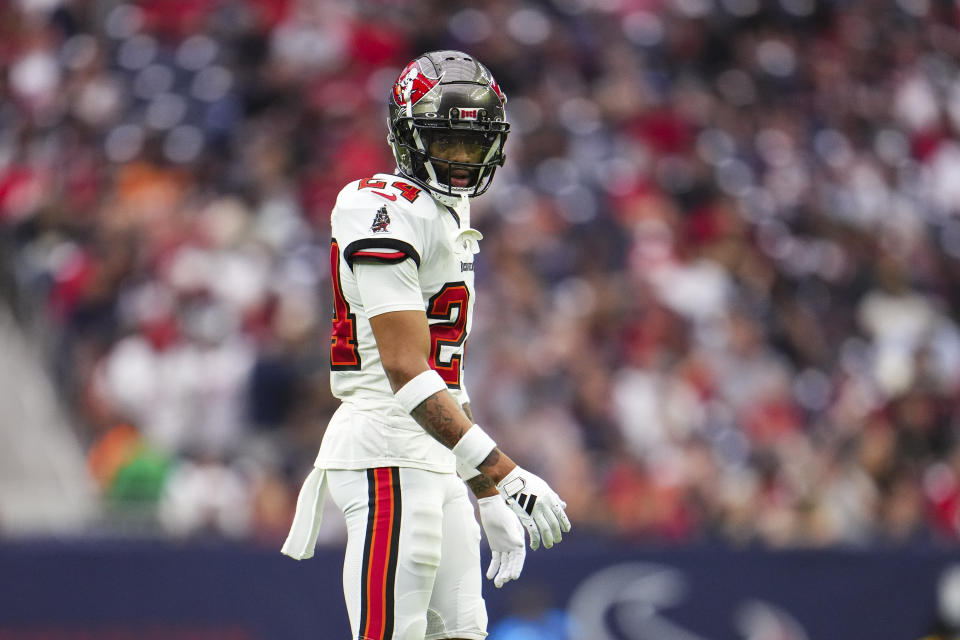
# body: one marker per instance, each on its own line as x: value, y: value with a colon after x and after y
x: 403, y: 196
x: 381, y: 219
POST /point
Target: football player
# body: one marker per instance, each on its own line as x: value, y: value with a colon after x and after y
x: 401, y: 260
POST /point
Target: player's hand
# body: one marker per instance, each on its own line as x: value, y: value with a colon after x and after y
x: 505, y: 535
x: 539, y: 508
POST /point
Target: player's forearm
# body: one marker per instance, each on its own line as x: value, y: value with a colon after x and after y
x: 403, y: 340
x: 446, y: 422
x: 496, y: 465
x: 480, y: 485
x: 442, y: 418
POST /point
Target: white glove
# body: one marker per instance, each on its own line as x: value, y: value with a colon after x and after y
x: 505, y: 535
x: 539, y: 508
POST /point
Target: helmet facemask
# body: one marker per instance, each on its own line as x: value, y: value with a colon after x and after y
x: 450, y: 158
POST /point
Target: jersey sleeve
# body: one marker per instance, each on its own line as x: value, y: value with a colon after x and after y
x: 391, y: 288
x: 370, y: 227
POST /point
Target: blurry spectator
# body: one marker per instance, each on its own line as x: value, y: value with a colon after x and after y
x: 726, y: 255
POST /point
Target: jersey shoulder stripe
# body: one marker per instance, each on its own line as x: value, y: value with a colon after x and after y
x: 388, y: 250
x: 387, y: 256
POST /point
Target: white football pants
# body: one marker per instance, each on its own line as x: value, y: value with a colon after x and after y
x: 412, y: 565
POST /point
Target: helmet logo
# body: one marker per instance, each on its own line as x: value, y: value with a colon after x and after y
x: 496, y: 89
x: 465, y: 113
x: 412, y: 85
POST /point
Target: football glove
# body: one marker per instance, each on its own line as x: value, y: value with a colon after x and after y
x: 505, y: 536
x: 539, y: 508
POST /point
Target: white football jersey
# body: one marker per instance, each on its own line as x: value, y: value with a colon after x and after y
x: 387, y: 219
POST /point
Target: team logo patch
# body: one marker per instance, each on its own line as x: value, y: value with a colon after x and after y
x: 381, y: 220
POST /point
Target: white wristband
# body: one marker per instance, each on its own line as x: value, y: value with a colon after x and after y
x: 465, y: 471
x: 418, y: 389
x: 474, y: 447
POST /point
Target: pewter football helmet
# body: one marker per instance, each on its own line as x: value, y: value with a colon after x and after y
x: 445, y: 99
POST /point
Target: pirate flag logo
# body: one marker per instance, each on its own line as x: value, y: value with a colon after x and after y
x: 380, y: 220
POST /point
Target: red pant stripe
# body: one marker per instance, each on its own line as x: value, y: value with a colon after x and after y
x: 380, y: 557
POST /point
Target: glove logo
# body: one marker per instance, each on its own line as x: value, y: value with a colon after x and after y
x: 526, y: 501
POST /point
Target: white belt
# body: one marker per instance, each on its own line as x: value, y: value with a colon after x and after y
x: 302, y: 538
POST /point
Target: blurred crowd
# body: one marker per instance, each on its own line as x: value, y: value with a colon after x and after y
x: 719, y: 286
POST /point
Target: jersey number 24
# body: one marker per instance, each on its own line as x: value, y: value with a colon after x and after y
x: 449, y: 331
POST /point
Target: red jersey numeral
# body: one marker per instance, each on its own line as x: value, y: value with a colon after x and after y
x: 344, y: 352
x: 451, y: 332
x: 370, y: 183
x: 408, y: 191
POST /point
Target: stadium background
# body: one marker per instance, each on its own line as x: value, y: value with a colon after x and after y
x: 718, y: 309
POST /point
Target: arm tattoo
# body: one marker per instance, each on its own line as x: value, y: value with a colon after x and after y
x: 491, y: 459
x: 437, y: 420
x: 481, y: 485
